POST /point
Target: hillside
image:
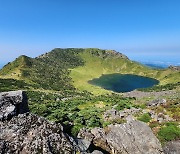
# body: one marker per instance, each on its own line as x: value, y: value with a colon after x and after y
x: 66, y: 69
x: 57, y: 87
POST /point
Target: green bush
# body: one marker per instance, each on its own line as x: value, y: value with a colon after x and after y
x: 75, y: 129
x: 169, y: 132
x: 153, y: 124
x: 145, y: 117
x: 123, y: 104
x: 94, y: 122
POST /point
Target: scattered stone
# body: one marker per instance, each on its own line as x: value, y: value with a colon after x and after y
x: 140, y: 94
x: 156, y: 102
x: 160, y: 117
x: 113, y: 114
x: 96, y: 152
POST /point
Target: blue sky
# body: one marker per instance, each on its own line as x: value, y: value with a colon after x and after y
x: 142, y: 29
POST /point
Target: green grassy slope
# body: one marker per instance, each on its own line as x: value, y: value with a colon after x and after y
x: 95, y: 66
x: 15, y: 69
x: 48, y: 71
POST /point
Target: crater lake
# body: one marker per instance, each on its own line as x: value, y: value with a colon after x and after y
x: 123, y: 82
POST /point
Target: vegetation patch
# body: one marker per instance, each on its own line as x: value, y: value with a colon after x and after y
x: 168, y: 132
x: 145, y: 118
x: 74, y: 112
x: 12, y: 84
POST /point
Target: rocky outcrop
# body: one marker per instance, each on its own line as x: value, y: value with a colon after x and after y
x: 156, y: 102
x: 113, y: 114
x: 28, y: 133
x: 12, y: 103
x: 140, y: 94
x: 172, y: 147
x: 174, y: 68
x: 160, y: 117
x: 22, y: 132
x: 132, y: 137
x: 107, y: 53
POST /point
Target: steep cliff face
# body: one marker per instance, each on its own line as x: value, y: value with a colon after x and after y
x: 22, y: 132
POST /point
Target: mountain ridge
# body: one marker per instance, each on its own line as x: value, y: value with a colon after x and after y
x: 72, y: 68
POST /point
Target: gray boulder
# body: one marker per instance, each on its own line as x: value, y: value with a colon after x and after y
x: 96, y: 152
x: 12, y: 103
x: 132, y: 137
x: 30, y: 134
x: 83, y: 144
x: 172, y: 147
x: 25, y: 133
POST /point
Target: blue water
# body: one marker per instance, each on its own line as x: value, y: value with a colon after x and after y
x: 123, y: 82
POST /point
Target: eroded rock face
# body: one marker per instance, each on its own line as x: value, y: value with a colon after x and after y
x: 22, y: 132
x: 132, y: 137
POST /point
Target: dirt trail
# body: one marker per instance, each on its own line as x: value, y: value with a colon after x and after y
x: 140, y: 94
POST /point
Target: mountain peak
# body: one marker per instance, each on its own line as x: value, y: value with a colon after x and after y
x: 12, y: 69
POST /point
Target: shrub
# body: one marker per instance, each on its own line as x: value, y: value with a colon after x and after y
x: 153, y: 124
x: 169, y: 132
x: 94, y: 122
x: 75, y: 130
x: 118, y: 121
x: 145, y: 117
x: 123, y: 104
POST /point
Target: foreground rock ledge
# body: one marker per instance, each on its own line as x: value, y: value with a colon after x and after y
x: 27, y: 133
x: 24, y: 133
